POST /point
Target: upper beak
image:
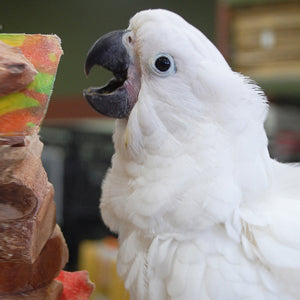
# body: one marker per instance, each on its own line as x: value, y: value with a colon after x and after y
x: 109, y: 52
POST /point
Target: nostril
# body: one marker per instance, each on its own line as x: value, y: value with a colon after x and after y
x: 129, y: 39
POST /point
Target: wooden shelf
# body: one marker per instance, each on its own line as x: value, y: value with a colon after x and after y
x: 263, y: 42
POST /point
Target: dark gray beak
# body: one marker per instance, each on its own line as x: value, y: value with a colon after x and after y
x: 111, y: 100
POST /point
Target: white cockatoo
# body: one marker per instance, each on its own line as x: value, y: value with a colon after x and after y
x: 200, y: 208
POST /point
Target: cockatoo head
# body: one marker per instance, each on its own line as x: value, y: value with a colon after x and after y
x: 166, y: 69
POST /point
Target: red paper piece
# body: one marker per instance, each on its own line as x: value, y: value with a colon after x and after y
x: 77, y: 285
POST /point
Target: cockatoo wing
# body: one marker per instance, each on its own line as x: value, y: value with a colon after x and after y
x: 273, y: 233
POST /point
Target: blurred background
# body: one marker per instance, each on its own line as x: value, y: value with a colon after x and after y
x: 260, y: 38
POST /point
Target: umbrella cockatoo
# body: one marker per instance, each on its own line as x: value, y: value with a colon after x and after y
x: 201, y: 210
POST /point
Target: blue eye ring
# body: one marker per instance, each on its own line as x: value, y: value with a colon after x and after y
x: 162, y: 64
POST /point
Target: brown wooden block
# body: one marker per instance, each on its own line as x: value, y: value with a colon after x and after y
x: 23, y: 233
x: 53, y: 291
x: 22, y: 166
x: 19, y: 277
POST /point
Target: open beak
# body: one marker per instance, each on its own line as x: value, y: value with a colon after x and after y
x: 111, y: 100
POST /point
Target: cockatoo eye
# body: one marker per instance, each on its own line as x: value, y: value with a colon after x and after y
x: 163, y: 64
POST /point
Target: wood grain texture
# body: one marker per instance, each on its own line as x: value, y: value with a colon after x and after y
x: 53, y: 291
x: 21, y: 277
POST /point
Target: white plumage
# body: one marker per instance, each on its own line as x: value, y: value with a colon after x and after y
x: 201, y: 210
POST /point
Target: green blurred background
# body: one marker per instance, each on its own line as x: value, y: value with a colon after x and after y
x: 80, y: 22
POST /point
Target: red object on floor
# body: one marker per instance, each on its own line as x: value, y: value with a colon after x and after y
x: 77, y: 285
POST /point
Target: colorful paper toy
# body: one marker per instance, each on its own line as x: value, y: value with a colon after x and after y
x: 22, y: 112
